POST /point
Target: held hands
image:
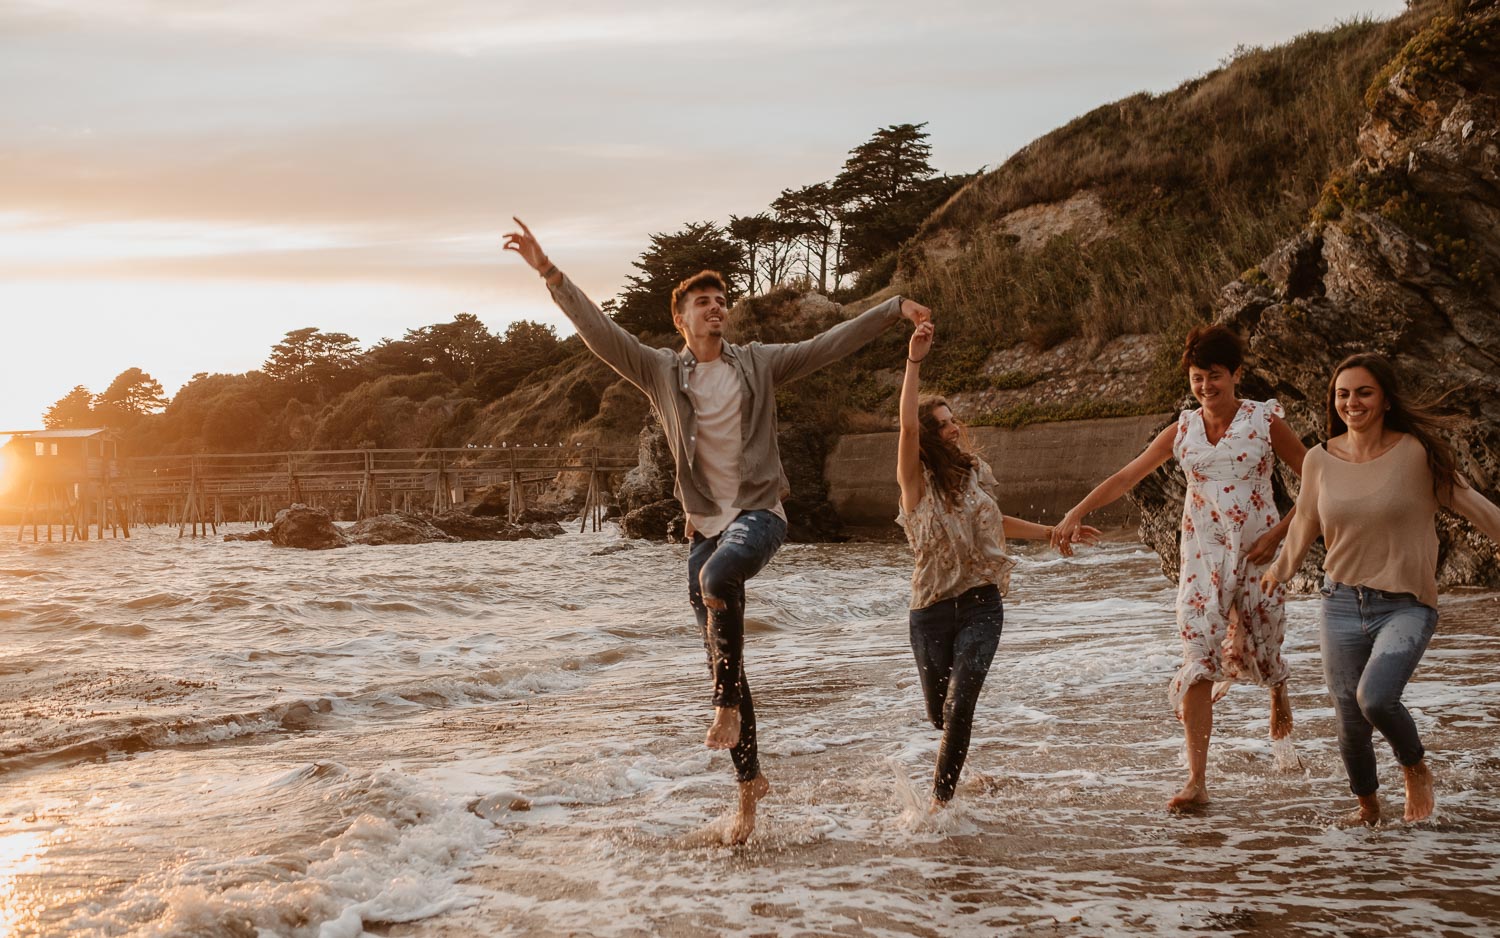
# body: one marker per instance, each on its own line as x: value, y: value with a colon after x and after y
x: 524, y: 243
x: 1081, y: 534
x: 910, y: 309
x: 1069, y: 531
x: 921, y: 342
x: 1264, y: 548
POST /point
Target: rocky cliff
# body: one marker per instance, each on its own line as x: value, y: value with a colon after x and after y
x: 1400, y: 258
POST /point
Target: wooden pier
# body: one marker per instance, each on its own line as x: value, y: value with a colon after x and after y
x: 199, y: 492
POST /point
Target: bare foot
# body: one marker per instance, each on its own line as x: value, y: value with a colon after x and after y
x: 1366, y: 815
x: 1418, y: 791
x: 725, y: 731
x: 744, y: 821
x: 1281, y: 712
x: 937, y: 806
x: 1193, y: 795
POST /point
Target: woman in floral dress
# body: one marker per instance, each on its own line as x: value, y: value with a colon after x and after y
x: 1231, y: 630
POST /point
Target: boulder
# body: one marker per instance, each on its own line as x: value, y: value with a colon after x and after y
x: 659, y: 521
x: 654, y: 476
x: 462, y: 526
x: 307, y: 528
x: 260, y: 534
x: 397, y: 528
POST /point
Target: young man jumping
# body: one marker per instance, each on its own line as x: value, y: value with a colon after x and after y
x: 717, y: 405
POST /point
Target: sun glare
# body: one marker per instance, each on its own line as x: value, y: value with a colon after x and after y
x: 20, y: 854
x: 6, y: 480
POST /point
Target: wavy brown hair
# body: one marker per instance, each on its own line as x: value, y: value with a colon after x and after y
x: 1419, y: 418
x: 949, y: 464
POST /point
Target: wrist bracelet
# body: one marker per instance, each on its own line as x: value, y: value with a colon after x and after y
x: 551, y: 269
x: 916, y: 361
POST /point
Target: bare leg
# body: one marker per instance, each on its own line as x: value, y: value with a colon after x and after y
x: 724, y: 733
x: 1419, y: 799
x: 1197, y: 727
x: 1367, y: 814
x: 744, y: 821
x: 1281, y: 712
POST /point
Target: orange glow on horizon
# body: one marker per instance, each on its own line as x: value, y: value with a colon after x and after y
x: 7, y: 467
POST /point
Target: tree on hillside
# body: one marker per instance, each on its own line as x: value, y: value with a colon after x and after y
x: 132, y: 395
x: 312, y: 360
x: 393, y: 357
x: 813, y: 212
x: 890, y: 187
x: 755, y: 233
x: 527, y: 348
x: 460, y: 349
x: 646, y: 304
x: 74, y: 410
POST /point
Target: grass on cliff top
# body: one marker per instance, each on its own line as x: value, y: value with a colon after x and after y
x: 1200, y: 182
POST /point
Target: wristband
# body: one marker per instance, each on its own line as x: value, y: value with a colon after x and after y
x: 916, y: 361
x: 551, y: 269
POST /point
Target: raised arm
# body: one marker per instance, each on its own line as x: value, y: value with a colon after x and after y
x: 795, y: 359
x: 909, y: 447
x: 1108, y: 491
x: 617, y: 348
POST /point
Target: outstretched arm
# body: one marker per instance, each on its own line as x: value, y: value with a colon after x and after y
x: 1019, y: 530
x: 1108, y: 491
x: 795, y: 359
x: 1302, y: 531
x: 909, y: 447
x: 619, y: 349
x: 1480, y: 511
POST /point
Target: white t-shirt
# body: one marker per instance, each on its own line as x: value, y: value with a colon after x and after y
x: 714, y: 389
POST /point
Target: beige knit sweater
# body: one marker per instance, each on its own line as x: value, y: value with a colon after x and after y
x: 1377, y: 520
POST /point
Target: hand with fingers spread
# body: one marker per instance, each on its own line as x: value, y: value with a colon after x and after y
x: 524, y: 243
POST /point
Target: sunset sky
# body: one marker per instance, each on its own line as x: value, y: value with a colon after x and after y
x: 184, y: 181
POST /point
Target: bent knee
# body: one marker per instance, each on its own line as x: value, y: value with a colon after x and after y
x: 1376, y: 705
x: 717, y: 589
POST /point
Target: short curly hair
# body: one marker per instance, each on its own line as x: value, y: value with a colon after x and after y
x: 1207, y: 346
x: 702, y: 280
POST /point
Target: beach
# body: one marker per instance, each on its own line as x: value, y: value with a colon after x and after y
x: 487, y: 739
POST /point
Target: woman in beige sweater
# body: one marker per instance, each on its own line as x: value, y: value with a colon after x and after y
x: 1373, y: 491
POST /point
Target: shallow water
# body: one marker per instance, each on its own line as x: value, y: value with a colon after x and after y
x: 200, y: 738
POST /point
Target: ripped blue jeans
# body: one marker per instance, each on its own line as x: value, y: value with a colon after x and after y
x: 719, y: 566
x: 1372, y: 642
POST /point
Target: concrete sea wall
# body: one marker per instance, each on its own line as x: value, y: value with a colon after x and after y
x: 1043, y: 469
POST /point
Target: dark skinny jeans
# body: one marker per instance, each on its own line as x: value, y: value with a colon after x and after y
x: 954, y: 641
x: 719, y: 566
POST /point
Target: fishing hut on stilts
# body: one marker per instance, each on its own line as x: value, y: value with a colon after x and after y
x: 72, y: 480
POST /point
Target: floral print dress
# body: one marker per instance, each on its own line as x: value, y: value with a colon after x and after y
x: 1230, y: 630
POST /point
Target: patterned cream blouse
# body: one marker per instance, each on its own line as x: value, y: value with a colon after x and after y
x: 957, y: 548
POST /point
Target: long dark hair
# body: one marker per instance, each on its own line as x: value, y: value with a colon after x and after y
x: 949, y: 464
x: 1421, y: 419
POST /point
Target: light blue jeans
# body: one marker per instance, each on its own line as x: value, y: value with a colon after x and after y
x: 1372, y: 642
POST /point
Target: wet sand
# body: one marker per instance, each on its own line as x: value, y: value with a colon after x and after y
x: 445, y: 688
